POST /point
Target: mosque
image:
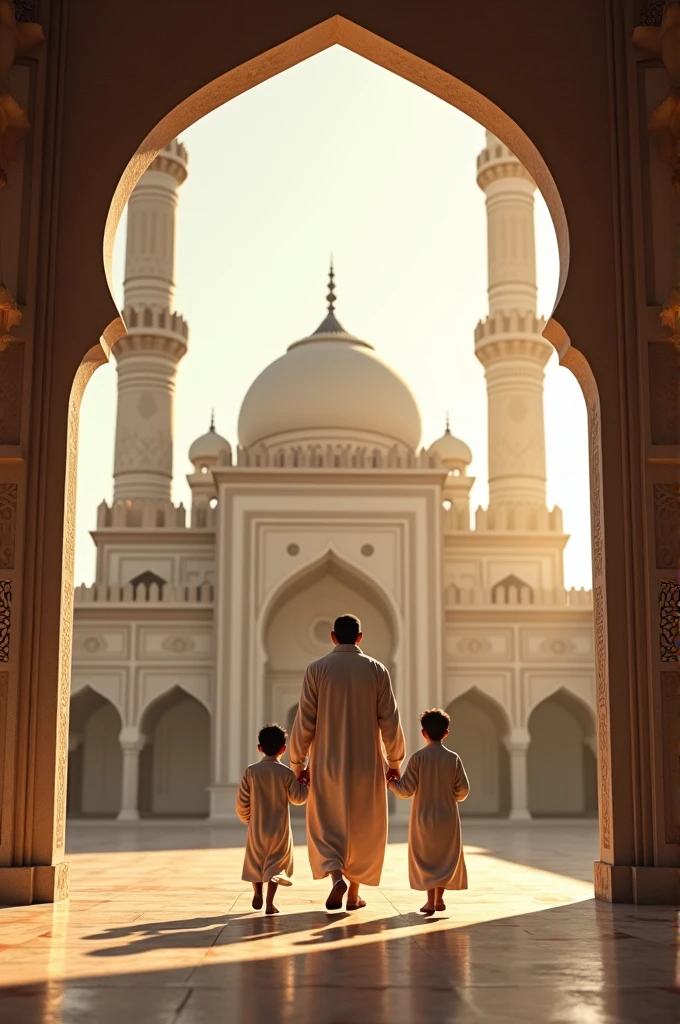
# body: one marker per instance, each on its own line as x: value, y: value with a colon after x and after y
x: 198, y: 628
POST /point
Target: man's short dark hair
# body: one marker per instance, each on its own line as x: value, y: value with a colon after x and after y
x: 272, y: 738
x: 347, y: 629
x: 435, y: 722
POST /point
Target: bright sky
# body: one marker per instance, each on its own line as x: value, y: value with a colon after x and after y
x: 338, y: 155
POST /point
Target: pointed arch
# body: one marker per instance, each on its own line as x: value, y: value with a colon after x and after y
x: 479, y: 724
x: 561, y: 761
x: 335, y: 30
x: 316, y: 568
x: 174, y: 764
x: 95, y: 756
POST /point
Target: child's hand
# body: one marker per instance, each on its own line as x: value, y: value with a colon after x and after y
x: 303, y: 777
x: 392, y: 774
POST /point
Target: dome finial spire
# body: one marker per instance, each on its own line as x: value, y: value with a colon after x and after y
x: 448, y: 425
x: 212, y: 420
x: 331, y: 286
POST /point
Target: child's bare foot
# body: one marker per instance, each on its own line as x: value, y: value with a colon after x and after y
x: 439, y: 906
x: 357, y: 904
x: 272, y: 909
x: 428, y: 908
x: 257, y: 901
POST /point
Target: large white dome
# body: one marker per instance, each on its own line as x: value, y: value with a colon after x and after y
x: 328, y: 386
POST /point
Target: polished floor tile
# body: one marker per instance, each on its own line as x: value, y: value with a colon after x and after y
x: 159, y: 928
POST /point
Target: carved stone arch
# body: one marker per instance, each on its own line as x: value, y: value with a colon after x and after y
x: 317, y: 567
x: 561, y: 758
x: 94, y: 754
x: 479, y: 726
x: 80, y: 685
x: 165, y: 695
x: 174, y: 764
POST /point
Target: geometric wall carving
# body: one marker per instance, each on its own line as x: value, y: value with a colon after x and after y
x: 669, y: 616
x: 667, y: 525
x: 664, y: 392
x: 8, y: 509
x: 670, y: 724
x: 5, y: 606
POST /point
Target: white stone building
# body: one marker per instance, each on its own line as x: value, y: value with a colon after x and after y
x: 198, y: 628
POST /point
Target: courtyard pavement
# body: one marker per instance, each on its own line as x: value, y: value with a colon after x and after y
x: 159, y: 928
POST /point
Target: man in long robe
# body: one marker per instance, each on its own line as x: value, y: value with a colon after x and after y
x: 348, y: 724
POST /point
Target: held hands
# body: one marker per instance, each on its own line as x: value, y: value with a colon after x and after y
x: 303, y: 777
x: 392, y: 775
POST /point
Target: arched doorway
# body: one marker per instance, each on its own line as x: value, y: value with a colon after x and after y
x: 95, y: 757
x: 174, y: 765
x: 299, y: 625
x: 561, y: 760
x: 478, y: 726
x: 603, y: 287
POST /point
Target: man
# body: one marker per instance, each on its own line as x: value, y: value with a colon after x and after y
x: 347, y: 712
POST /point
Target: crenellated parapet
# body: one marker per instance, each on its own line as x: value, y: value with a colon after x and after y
x: 151, y: 515
x: 338, y: 456
x: 155, y: 322
x: 519, y: 595
x: 141, y: 593
x: 172, y: 160
x: 524, y: 518
x: 496, y: 162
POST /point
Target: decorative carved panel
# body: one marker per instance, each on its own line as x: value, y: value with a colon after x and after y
x: 11, y: 385
x: 670, y: 725
x: 5, y: 608
x: 664, y: 393
x: 667, y: 525
x: 8, y: 508
x: 602, y: 716
x: 669, y: 620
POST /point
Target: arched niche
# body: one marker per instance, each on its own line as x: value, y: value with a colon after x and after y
x: 478, y: 726
x: 561, y: 761
x: 95, y: 756
x: 174, y: 765
x: 298, y: 624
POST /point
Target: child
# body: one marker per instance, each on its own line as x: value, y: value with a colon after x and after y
x: 262, y: 804
x: 435, y: 847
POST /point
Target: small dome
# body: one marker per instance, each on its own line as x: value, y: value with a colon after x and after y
x: 330, y: 385
x: 453, y: 452
x: 208, y: 447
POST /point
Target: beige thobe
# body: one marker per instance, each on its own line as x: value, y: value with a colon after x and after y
x: 347, y: 713
x: 266, y: 789
x: 435, y: 845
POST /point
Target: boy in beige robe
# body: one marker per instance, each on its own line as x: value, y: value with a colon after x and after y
x: 266, y: 789
x: 347, y: 713
x: 435, y: 847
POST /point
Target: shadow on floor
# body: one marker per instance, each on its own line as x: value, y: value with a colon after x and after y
x: 583, y: 962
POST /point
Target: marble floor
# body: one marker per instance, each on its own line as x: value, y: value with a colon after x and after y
x: 159, y: 928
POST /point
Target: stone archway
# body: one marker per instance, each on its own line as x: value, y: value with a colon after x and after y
x: 174, y: 765
x: 561, y: 768
x: 299, y: 621
x: 95, y: 756
x: 478, y: 727
x: 609, y: 305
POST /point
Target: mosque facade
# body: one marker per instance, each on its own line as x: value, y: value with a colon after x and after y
x: 198, y: 626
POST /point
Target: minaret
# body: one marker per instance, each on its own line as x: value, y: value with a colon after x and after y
x: 509, y: 343
x: 157, y: 337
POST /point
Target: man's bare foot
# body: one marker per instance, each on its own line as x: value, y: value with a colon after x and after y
x: 428, y: 908
x: 272, y: 909
x: 336, y: 895
x: 257, y: 901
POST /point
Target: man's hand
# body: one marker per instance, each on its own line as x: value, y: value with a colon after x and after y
x: 303, y: 777
x: 392, y: 773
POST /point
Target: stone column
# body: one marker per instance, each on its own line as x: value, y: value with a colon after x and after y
x: 517, y: 744
x: 131, y: 742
